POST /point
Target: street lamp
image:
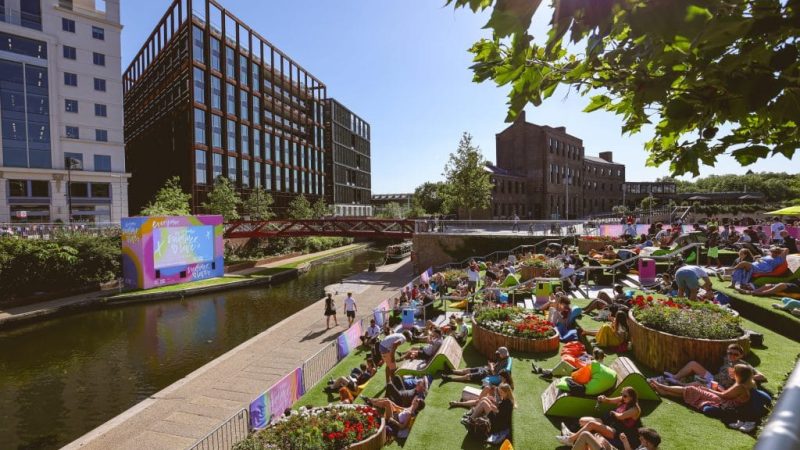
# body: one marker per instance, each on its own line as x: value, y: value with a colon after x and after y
x: 567, y: 181
x: 71, y: 164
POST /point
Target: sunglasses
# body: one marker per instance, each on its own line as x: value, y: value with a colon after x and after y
x: 734, y: 354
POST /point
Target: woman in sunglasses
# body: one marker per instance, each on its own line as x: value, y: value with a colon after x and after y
x: 623, y: 419
x: 724, y: 377
x: 700, y: 397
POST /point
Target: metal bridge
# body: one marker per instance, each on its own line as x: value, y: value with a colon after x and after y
x: 346, y: 227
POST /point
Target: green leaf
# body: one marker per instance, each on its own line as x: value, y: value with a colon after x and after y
x: 512, y: 16
x: 748, y: 155
x: 598, y: 101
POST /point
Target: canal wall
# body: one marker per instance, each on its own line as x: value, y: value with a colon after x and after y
x: 435, y: 249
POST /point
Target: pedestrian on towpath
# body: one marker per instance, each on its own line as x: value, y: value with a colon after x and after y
x: 330, y: 311
x: 350, y: 309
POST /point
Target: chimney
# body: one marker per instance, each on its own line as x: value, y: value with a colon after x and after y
x: 520, y: 117
x: 608, y: 156
x: 562, y: 129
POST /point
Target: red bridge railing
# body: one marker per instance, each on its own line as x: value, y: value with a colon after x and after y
x: 345, y: 227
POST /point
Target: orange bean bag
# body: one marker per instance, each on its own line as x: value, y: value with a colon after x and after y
x: 583, y: 375
x: 777, y: 272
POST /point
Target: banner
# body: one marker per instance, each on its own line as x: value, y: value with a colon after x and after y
x: 259, y: 412
x: 379, y: 313
x: 425, y: 277
x: 285, y: 392
x: 349, y: 340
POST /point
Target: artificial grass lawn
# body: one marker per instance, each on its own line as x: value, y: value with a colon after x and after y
x: 438, y: 427
x: 227, y: 279
x: 760, y: 310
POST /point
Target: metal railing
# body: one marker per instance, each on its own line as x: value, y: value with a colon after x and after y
x: 315, y: 367
x: 522, y: 227
x: 49, y: 230
x: 503, y: 254
x: 227, y: 434
x: 23, y: 19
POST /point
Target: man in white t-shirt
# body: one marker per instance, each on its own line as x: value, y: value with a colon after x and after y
x: 689, y: 278
x: 372, y: 333
x: 776, y: 227
x: 350, y: 309
x: 473, y: 275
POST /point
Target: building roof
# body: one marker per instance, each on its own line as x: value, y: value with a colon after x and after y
x: 391, y: 196
x: 596, y: 160
x: 491, y: 168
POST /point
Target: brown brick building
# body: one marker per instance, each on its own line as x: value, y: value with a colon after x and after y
x: 542, y: 173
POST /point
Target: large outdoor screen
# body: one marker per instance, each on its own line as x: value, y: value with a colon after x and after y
x: 178, y: 246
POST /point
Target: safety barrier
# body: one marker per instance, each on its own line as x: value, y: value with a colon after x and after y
x: 315, y: 367
x: 227, y: 434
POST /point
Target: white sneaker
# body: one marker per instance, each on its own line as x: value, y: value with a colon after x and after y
x: 736, y: 425
x: 747, y: 427
x: 564, y: 440
x: 565, y: 431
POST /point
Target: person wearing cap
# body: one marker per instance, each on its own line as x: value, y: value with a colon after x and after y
x: 688, y: 279
x: 744, y: 271
x: 476, y: 374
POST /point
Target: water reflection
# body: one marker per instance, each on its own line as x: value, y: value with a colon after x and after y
x: 63, y: 377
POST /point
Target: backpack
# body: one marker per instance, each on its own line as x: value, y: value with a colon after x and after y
x: 478, y: 428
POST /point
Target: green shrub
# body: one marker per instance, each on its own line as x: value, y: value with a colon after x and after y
x: 707, y: 322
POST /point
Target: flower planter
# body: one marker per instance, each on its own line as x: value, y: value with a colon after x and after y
x: 585, y: 246
x: 374, y: 442
x: 663, y: 351
x: 487, y: 342
x: 531, y: 272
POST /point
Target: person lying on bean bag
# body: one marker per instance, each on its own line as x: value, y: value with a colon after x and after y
x: 595, y: 378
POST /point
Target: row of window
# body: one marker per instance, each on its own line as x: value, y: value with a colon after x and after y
x: 23, y: 46
x: 285, y: 179
x: 562, y: 148
x: 71, y: 106
x: 41, y: 189
x: 508, y: 186
x: 603, y: 171
x: 98, y: 59
x: 68, y: 25
x: 71, y: 79
x: 72, y: 132
x: 74, y: 161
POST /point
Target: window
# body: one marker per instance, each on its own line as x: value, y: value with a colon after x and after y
x: 216, y: 165
x: 232, y: 169
x: 215, y: 56
x: 230, y: 69
x: 199, y: 86
x: 98, y: 59
x: 243, y: 69
x: 278, y: 149
x: 278, y: 179
x: 70, y: 52
x: 68, y: 25
x: 245, y: 173
x: 73, y: 132
x: 100, y: 110
x: 268, y: 177
x: 256, y: 78
x: 216, y: 131
x: 256, y: 110
x: 99, y: 85
x: 257, y: 174
x: 216, y: 92
x: 23, y: 46
x: 101, y: 190
x: 231, y: 138
x: 99, y: 33
x: 198, y: 44
x: 200, y: 167
x: 230, y: 99
x: 73, y: 161
x: 199, y: 126
x: 70, y: 79
x: 70, y: 106
x: 80, y: 190
x: 101, y: 135
x: 40, y: 188
x: 245, y: 140
x: 102, y: 163
x: 257, y: 150
x: 244, y: 110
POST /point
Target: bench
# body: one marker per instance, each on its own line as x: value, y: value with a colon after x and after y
x: 558, y: 403
x: 449, y: 355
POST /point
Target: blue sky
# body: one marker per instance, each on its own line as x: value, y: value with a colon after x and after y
x: 403, y: 67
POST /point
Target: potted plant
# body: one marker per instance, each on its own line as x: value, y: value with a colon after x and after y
x: 586, y: 243
x: 533, y: 266
x: 513, y: 328
x: 452, y: 277
x: 334, y: 427
x: 666, y: 333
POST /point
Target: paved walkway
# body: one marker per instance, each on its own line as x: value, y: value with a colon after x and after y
x: 184, y: 412
x: 59, y: 305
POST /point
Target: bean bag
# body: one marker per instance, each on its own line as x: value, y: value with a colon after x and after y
x: 482, y: 265
x: 506, y: 445
x: 458, y: 305
x: 603, y: 379
x: 778, y: 271
x: 583, y: 375
x: 510, y: 281
x: 761, y: 281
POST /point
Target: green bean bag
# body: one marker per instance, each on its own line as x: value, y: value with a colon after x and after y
x: 482, y: 265
x: 603, y: 379
x: 785, y: 278
x: 510, y: 281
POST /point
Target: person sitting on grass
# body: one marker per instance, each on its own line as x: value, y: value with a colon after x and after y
x: 700, y: 397
x: 649, y: 439
x: 460, y: 331
x: 476, y: 374
x: 623, y: 419
x: 398, y: 392
x: 743, y: 272
x: 489, y: 391
x: 604, y: 299
x: 789, y: 305
x: 667, y: 286
x: 723, y: 377
x: 428, y: 351
x: 498, y: 413
x: 398, y: 419
x: 776, y: 289
x: 358, y: 376
x: 614, y: 334
x: 581, y: 360
x: 372, y: 333
x: 564, y: 318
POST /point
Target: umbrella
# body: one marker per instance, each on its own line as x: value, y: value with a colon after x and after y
x: 790, y: 211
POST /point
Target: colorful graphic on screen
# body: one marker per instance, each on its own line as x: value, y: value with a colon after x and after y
x: 177, y: 246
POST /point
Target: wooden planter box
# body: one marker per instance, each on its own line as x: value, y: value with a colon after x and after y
x: 530, y: 272
x: 663, y: 351
x: 487, y: 342
x: 374, y: 442
x: 585, y: 246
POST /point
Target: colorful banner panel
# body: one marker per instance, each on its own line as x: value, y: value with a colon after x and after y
x: 380, y: 312
x: 349, y: 340
x: 285, y: 392
x: 157, y: 251
x: 259, y: 412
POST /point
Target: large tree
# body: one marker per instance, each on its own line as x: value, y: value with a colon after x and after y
x: 170, y: 200
x: 715, y: 77
x: 258, y: 205
x: 223, y: 199
x: 300, y: 208
x: 319, y: 209
x: 468, y: 183
x: 429, y: 197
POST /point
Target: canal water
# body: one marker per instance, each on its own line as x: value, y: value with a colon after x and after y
x: 61, y: 378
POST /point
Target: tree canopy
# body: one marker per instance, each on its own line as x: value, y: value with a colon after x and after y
x: 392, y: 210
x: 300, y: 208
x: 468, y: 185
x: 776, y: 187
x: 170, y: 200
x: 429, y: 198
x: 223, y: 199
x: 319, y: 209
x: 714, y: 77
x: 258, y: 205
